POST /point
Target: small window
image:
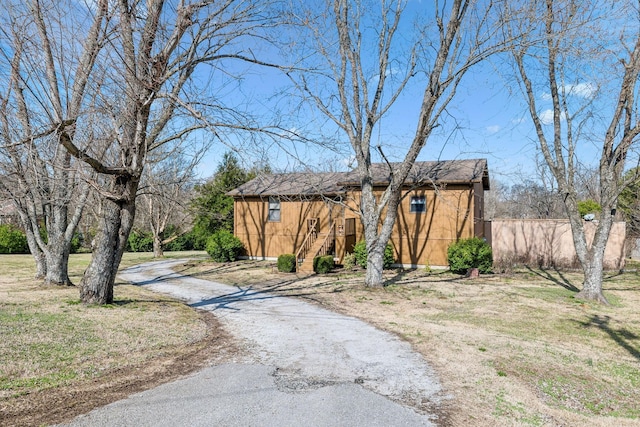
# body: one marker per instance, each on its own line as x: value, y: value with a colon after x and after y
x: 418, y: 204
x: 274, y: 209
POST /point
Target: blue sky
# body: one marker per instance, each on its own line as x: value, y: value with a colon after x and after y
x: 485, y: 120
x: 491, y: 124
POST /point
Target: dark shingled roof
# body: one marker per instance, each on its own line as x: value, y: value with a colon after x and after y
x: 291, y: 184
x: 332, y: 183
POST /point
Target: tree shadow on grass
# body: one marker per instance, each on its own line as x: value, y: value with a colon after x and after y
x: 222, y: 268
x: 407, y: 277
x: 297, y: 288
x: 623, y: 337
x: 559, y: 278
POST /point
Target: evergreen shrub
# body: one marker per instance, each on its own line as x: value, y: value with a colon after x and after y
x: 323, y: 264
x: 349, y: 261
x: 360, y: 252
x: 470, y: 253
x: 287, y: 263
x: 139, y: 241
x: 223, y: 246
x: 12, y: 240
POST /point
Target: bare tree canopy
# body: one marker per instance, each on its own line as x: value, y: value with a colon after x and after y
x: 39, y: 175
x: 119, y: 80
x: 164, y: 197
x: 360, y: 57
x: 583, y: 58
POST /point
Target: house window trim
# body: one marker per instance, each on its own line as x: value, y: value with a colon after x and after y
x: 416, y: 201
x: 274, y: 201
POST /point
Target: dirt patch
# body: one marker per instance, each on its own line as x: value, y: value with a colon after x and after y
x: 61, y: 404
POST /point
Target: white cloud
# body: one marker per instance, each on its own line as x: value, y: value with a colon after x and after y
x: 583, y: 90
x: 546, y: 117
x: 492, y: 129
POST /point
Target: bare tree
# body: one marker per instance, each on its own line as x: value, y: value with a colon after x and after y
x: 585, y: 62
x: 40, y: 176
x: 360, y: 66
x: 115, y: 81
x: 164, y: 198
x: 153, y: 51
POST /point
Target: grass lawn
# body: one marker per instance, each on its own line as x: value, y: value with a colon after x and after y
x: 510, y: 350
x: 56, y: 352
x: 514, y: 349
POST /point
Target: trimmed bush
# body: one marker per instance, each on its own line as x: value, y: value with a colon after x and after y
x: 223, y: 246
x: 287, y: 263
x: 360, y: 252
x: 349, y: 261
x: 470, y: 253
x: 139, y: 241
x: 12, y: 240
x: 323, y: 264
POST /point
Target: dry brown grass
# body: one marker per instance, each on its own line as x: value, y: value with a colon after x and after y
x: 59, y: 358
x: 512, y: 349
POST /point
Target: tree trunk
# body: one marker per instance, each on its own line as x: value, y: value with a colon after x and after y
x: 41, y: 265
x: 592, y: 261
x: 98, y: 281
x: 57, y: 258
x: 592, y: 285
x: 375, y: 260
x: 38, y: 255
x: 158, y: 250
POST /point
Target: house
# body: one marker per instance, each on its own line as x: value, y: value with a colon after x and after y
x: 9, y: 213
x: 310, y: 214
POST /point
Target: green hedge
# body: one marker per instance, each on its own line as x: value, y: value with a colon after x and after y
x: 323, y: 264
x: 140, y: 241
x: 287, y: 263
x: 470, y: 253
x: 360, y: 252
x: 12, y: 240
x: 223, y: 246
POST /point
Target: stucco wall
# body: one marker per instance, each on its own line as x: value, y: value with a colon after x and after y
x: 549, y: 242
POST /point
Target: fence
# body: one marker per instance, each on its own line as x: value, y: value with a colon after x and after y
x: 548, y: 242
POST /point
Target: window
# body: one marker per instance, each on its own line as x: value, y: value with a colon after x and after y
x: 274, y: 209
x: 418, y: 204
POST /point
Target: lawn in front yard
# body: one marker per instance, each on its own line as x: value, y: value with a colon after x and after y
x: 59, y: 357
x: 514, y: 349
x: 510, y: 350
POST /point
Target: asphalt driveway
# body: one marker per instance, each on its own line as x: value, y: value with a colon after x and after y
x: 303, y: 366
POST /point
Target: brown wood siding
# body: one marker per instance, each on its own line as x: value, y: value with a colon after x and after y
x: 418, y: 238
x: 478, y: 209
x: 423, y: 238
x: 269, y: 239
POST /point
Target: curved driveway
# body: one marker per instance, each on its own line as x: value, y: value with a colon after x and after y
x: 306, y: 366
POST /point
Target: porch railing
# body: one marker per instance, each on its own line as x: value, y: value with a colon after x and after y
x: 328, y: 242
x: 310, y: 240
